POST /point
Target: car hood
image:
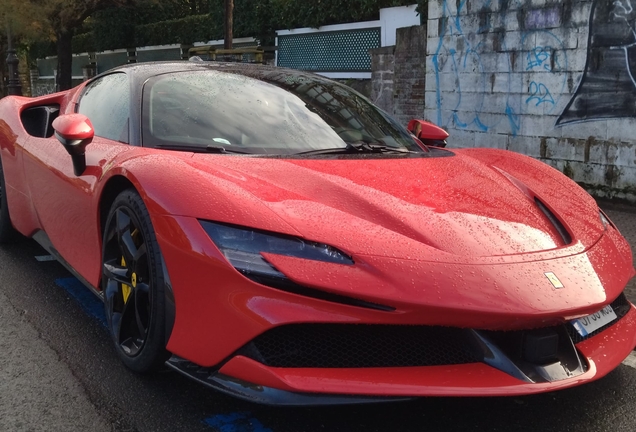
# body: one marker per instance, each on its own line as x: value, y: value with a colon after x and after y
x: 470, y: 204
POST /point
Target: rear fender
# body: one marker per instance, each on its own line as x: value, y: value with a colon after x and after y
x: 12, y: 140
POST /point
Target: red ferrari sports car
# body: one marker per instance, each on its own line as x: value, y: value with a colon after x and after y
x: 274, y: 235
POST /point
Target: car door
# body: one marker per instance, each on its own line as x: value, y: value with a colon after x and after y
x: 66, y: 204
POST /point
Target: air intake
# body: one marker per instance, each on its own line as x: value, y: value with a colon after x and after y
x: 565, y: 235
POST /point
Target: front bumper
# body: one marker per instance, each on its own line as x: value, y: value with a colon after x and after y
x: 248, y: 379
x: 219, y: 311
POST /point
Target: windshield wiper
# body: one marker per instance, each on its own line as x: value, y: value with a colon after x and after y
x: 219, y: 149
x: 356, y: 147
x: 202, y: 149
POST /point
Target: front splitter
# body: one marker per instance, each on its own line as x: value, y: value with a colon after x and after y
x: 267, y: 395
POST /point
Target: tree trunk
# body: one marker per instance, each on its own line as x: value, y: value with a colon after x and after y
x: 229, y: 23
x: 64, y: 60
x: 3, y: 90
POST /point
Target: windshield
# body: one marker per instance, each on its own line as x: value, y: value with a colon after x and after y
x: 280, y: 113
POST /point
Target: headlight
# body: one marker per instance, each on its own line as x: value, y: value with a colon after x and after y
x: 243, y: 246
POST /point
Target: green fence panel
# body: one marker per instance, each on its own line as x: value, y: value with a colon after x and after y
x: 335, y: 51
x: 159, y: 55
x: 47, y: 67
x: 78, y: 63
x: 108, y: 61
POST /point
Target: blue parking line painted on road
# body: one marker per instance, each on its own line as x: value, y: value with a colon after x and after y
x: 235, y: 422
x: 86, y: 299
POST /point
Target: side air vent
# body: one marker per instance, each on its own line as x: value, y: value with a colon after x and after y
x: 38, y: 121
x: 565, y: 235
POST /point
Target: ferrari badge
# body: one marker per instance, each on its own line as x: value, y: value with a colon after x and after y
x: 554, y: 280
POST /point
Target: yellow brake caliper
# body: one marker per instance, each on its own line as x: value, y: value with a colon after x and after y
x: 126, y: 289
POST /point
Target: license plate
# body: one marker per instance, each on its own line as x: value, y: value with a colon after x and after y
x: 589, y: 324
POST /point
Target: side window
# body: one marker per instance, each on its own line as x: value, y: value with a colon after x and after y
x: 106, y: 102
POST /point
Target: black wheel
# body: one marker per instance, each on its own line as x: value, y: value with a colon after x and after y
x: 7, y: 232
x: 133, y: 285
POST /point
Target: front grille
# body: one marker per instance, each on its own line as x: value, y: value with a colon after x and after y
x: 366, y: 346
x: 621, y: 306
x: 361, y: 346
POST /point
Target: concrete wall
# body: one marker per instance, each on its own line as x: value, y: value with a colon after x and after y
x: 396, y: 18
x: 551, y: 79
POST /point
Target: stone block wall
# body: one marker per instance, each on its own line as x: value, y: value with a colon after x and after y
x: 42, y: 87
x: 551, y: 79
x: 399, y: 75
x: 410, y: 73
x: 382, y: 66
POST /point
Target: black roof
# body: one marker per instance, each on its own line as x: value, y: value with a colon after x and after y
x: 144, y: 71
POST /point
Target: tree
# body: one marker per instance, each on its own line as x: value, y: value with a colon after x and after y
x: 23, y: 21
x: 64, y: 17
x: 229, y: 23
x: 19, y: 25
x: 57, y: 20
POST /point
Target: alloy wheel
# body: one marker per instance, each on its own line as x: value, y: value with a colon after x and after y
x: 126, y: 282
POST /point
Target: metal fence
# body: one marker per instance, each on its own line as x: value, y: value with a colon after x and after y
x: 329, y: 51
x: 342, y: 51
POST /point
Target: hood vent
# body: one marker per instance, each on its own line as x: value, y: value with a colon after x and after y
x: 565, y: 235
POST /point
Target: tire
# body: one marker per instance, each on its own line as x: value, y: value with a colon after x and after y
x: 133, y: 285
x: 7, y: 233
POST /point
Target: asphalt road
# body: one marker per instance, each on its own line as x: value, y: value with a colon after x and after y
x: 58, y: 372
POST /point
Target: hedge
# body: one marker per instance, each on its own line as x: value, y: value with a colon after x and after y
x: 83, y: 43
x: 115, y: 28
x: 316, y: 13
x: 184, y: 31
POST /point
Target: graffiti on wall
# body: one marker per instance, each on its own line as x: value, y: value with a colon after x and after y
x: 492, y: 68
x: 607, y: 88
x: 487, y: 78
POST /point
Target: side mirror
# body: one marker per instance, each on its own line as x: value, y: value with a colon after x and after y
x: 428, y: 133
x: 75, y: 132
